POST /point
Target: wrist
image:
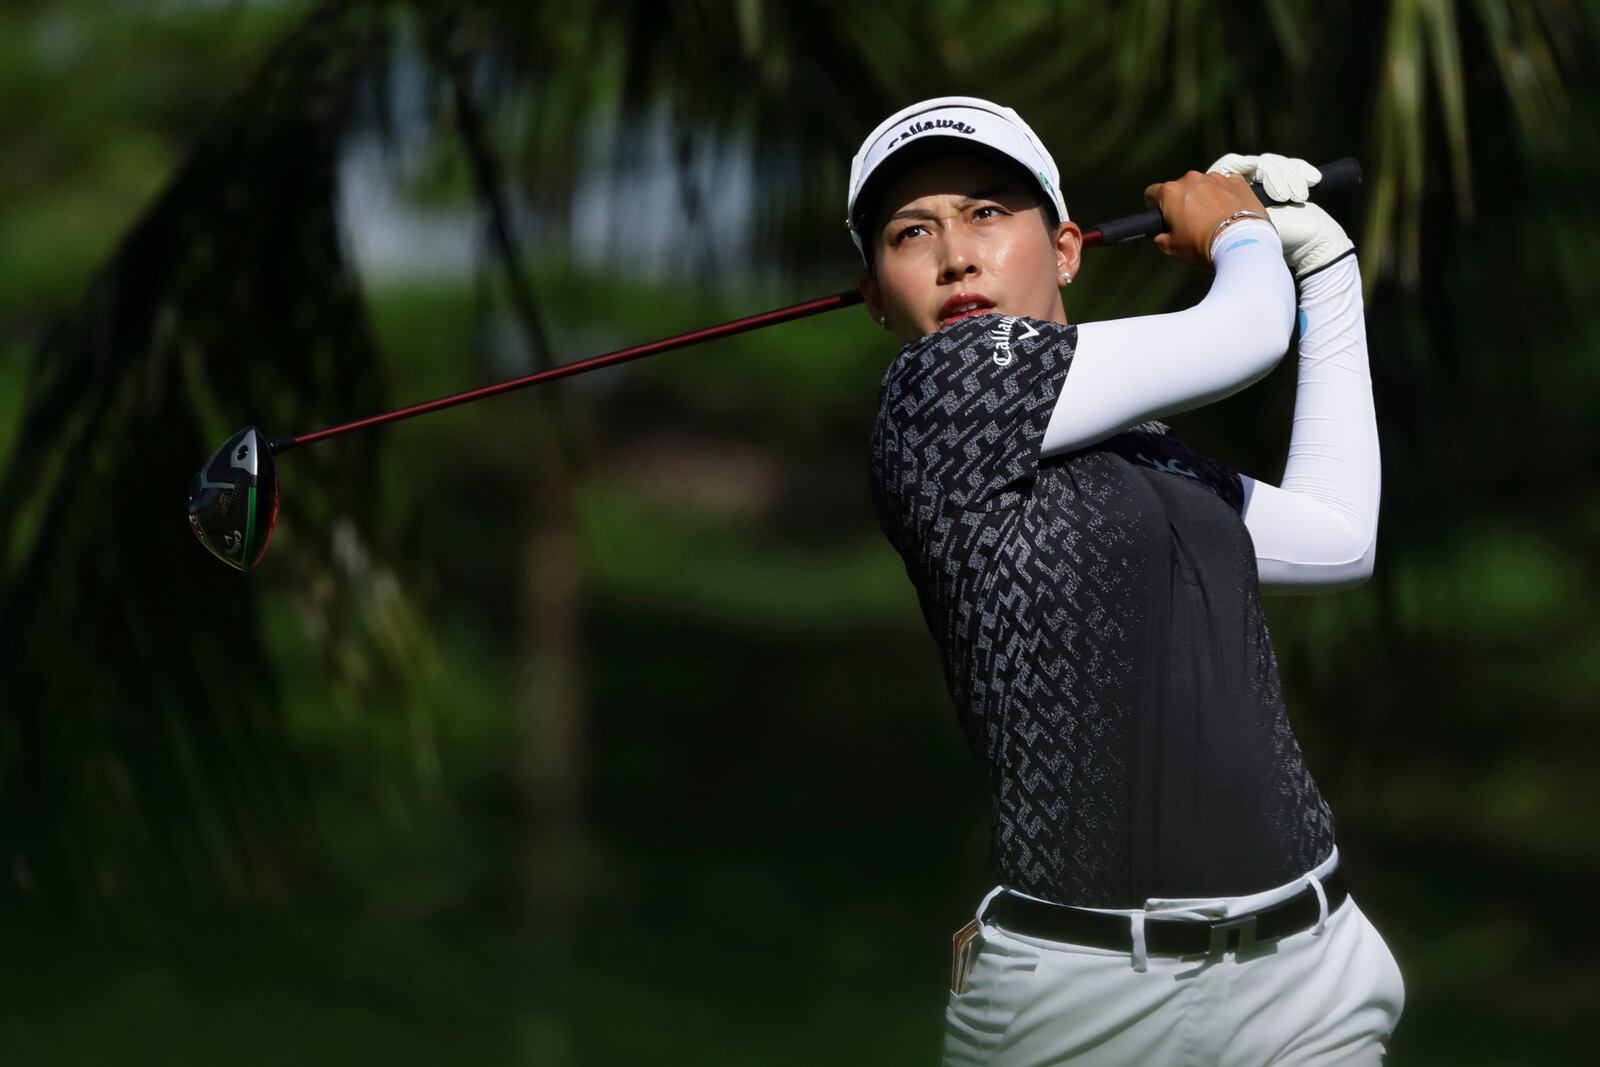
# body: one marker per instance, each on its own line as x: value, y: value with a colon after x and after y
x: 1309, y: 275
x: 1336, y: 281
x: 1228, y: 224
x: 1311, y: 238
x: 1245, y: 233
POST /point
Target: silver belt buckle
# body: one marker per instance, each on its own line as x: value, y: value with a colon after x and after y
x: 1229, y: 934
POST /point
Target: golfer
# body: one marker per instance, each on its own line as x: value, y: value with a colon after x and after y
x: 1169, y: 888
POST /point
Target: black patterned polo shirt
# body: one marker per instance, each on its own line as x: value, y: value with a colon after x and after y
x: 1099, y: 620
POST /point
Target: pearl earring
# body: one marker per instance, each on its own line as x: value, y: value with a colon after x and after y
x: 1066, y: 279
x: 883, y: 320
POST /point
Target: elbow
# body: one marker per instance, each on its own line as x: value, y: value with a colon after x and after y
x: 1355, y: 573
x: 1359, y: 550
x: 1353, y: 577
x: 1334, y: 573
x: 1364, y: 555
x: 1362, y: 569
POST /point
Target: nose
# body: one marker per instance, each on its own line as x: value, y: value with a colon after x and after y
x: 957, y: 258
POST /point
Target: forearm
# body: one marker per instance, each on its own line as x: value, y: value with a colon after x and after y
x: 1126, y: 371
x: 1317, y: 530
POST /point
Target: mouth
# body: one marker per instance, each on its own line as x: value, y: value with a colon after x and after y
x: 964, y: 306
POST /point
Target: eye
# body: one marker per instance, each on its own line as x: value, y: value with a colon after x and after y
x: 901, y: 235
x: 988, y: 211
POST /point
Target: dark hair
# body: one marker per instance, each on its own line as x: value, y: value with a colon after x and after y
x: 869, y: 206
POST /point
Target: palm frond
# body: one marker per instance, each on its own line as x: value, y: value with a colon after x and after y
x: 1423, y: 71
x: 139, y: 693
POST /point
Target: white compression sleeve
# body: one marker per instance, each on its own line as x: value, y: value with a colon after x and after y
x: 1319, y: 531
x: 1125, y: 371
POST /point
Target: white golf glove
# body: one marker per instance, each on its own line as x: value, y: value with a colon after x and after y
x: 1311, y: 238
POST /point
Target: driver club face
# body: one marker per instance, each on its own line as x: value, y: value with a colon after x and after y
x: 233, y: 500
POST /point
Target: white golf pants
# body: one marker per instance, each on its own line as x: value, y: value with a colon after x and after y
x: 1316, y: 997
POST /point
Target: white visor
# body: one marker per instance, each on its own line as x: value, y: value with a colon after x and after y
x: 961, y: 120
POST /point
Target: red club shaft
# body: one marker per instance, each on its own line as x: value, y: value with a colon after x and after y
x: 567, y: 370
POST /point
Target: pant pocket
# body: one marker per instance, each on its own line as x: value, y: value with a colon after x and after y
x: 976, y: 1020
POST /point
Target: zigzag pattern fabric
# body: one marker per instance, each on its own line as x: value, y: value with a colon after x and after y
x: 1099, y: 621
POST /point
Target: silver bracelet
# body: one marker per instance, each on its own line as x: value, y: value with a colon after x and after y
x: 1230, y: 220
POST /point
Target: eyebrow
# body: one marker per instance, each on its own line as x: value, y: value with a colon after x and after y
x: 993, y: 192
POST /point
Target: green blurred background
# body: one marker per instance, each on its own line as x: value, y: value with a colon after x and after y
x: 598, y: 724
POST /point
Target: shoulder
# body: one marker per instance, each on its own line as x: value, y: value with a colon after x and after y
x: 993, y: 347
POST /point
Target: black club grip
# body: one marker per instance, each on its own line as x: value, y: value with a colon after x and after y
x: 1337, y: 176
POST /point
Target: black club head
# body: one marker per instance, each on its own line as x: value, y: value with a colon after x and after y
x: 233, y: 500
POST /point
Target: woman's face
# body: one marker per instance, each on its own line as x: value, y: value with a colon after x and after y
x: 960, y: 235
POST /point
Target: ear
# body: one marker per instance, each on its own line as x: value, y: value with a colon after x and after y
x: 872, y: 295
x: 1069, y: 248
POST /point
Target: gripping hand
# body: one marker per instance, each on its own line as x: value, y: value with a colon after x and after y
x: 1311, y: 238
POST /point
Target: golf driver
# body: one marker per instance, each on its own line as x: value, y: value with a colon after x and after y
x: 233, y: 500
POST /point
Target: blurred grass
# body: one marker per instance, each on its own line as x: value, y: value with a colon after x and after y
x: 727, y: 922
